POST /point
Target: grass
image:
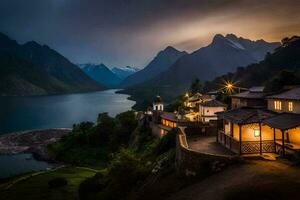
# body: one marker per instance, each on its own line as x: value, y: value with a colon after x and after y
x: 81, y: 155
x: 36, y: 188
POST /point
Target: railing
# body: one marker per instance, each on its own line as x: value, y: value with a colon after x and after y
x: 228, y: 141
x: 267, y: 146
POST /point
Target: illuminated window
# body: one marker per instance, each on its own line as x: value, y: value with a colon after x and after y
x: 291, y: 106
x: 256, y: 133
x: 277, y: 105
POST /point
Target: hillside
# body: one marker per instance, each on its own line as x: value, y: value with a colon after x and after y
x: 47, y: 71
x: 102, y: 74
x: 223, y: 55
x: 279, y: 68
x: 163, y: 60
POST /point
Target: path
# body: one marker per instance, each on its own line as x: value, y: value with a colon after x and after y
x: 207, y: 144
x: 254, y: 174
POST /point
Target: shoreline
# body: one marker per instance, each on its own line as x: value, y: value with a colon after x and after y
x: 31, y: 141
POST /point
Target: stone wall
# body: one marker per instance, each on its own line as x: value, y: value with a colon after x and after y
x: 194, y: 163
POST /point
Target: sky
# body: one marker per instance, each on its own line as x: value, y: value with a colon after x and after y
x: 132, y: 32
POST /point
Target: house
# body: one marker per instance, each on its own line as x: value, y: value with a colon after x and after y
x: 193, y: 114
x: 254, y: 97
x: 198, y: 98
x: 287, y: 101
x: 208, y: 110
x: 168, y: 122
x: 257, y: 129
x: 194, y: 100
x: 162, y: 122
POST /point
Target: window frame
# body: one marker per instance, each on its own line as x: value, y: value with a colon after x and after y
x: 290, y: 106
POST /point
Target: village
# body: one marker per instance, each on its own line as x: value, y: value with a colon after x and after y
x: 256, y: 124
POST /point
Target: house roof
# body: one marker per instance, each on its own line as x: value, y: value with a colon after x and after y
x: 293, y: 94
x: 169, y: 116
x: 213, y: 103
x: 195, y: 97
x: 250, y: 95
x: 257, y: 89
x: 283, y: 121
x: 246, y: 115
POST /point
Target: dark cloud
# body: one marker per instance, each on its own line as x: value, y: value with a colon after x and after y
x: 130, y: 32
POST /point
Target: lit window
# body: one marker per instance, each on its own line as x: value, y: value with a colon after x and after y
x: 256, y: 133
x: 291, y: 106
x: 277, y: 105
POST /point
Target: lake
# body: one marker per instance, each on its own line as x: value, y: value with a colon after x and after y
x: 11, y: 165
x: 58, y: 111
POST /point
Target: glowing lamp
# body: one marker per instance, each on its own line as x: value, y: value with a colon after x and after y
x: 256, y: 133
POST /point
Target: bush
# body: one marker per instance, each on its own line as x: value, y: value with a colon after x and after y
x: 91, y: 186
x: 57, y: 182
x: 125, y: 171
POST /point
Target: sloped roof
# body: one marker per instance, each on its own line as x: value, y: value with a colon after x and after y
x: 250, y: 95
x: 213, y: 103
x: 293, y: 94
x: 169, y: 116
x: 283, y: 121
x: 195, y: 97
x: 257, y: 89
x: 246, y: 115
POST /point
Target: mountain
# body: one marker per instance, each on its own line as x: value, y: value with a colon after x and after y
x: 163, y: 60
x: 223, y: 55
x: 280, y: 68
x: 34, y: 69
x: 102, y: 74
x: 124, y: 72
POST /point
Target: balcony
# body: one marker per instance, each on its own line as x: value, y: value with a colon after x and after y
x: 246, y: 147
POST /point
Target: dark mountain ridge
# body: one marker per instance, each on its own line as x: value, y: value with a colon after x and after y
x: 223, y: 55
x: 162, y: 61
x: 280, y: 68
x: 62, y: 75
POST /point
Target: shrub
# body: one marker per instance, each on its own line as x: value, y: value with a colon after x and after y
x: 89, y: 187
x: 57, y: 182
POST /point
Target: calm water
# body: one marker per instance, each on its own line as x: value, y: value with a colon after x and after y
x: 11, y: 165
x: 26, y: 113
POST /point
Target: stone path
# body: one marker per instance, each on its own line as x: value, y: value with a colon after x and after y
x: 207, y: 144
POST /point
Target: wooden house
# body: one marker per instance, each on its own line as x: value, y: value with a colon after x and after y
x: 257, y: 129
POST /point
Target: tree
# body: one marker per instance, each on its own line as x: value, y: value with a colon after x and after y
x: 196, y: 86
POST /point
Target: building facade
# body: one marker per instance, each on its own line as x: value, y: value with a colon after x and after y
x: 274, y: 128
x: 208, y: 110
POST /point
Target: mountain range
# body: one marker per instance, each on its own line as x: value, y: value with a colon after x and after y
x: 103, y: 75
x: 162, y: 61
x: 224, y: 54
x: 278, y: 69
x: 34, y: 69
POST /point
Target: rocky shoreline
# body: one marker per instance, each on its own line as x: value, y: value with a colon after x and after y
x: 33, y: 141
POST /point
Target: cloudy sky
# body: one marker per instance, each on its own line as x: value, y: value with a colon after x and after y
x: 131, y: 32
